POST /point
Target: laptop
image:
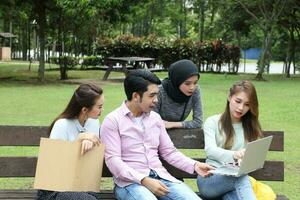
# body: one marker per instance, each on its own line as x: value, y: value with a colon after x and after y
x: 254, y: 158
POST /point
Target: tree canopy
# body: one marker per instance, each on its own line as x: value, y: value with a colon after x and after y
x: 73, y: 26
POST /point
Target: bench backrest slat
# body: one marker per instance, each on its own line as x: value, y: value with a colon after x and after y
x: 182, y: 138
x: 22, y: 135
x: 194, y: 139
x: 277, y: 141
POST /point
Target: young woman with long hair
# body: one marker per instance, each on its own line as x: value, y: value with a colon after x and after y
x: 225, y: 136
x: 79, y: 121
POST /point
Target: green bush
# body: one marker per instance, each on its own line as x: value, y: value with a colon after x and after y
x: 167, y: 53
x: 54, y: 60
x: 104, y: 47
x: 68, y: 61
x: 91, y: 61
x: 209, y: 55
x: 150, y: 46
x: 126, y: 45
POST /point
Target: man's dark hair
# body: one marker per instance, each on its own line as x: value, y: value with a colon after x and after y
x: 138, y: 81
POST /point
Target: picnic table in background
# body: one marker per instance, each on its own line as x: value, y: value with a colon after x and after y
x: 126, y: 63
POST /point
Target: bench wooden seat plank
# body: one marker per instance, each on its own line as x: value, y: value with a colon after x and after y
x: 25, y: 167
x: 183, y: 139
x: 31, y: 194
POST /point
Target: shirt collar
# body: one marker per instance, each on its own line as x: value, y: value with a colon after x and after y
x: 125, y: 109
x: 127, y: 112
x: 79, y: 128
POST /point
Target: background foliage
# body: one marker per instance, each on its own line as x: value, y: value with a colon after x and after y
x: 55, y: 28
x: 209, y: 55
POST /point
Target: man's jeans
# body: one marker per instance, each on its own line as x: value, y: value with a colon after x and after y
x: 135, y: 191
x: 233, y: 188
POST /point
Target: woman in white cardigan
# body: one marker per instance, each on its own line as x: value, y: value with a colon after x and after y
x: 225, y: 136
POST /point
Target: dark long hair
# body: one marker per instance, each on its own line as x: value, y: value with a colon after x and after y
x: 251, y: 125
x: 84, y: 96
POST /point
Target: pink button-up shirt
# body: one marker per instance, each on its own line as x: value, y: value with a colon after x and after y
x: 131, y: 151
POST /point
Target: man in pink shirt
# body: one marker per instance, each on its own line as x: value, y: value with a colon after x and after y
x: 135, y: 137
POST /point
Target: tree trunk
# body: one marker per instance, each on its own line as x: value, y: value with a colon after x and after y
x: 24, y: 33
x: 265, y: 53
x: 53, y: 53
x: 238, y: 38
x: 290, y: 53
x: 288, y: 60
x: 61, y: 59
x: 28, y: 42
x: 294, y: 64
x: 182, y: 22
x: 41, y: 21
x: 201, y: 19
x: 184, y: 34
x: 147, y: 23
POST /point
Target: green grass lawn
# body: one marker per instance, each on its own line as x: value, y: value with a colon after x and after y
x: 24, y: 101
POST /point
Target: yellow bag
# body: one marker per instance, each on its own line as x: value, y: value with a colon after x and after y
x: 262, y: 191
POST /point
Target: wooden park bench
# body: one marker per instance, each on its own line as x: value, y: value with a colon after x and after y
x: 21, y: 166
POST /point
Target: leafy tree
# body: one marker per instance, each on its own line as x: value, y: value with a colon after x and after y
x: 233, y: 23
x: 290, y: 24
x: 266, y: 14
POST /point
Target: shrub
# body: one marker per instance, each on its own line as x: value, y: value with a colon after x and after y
x: 69, y: 61
x: 209, y: 55
x: 91, y: 61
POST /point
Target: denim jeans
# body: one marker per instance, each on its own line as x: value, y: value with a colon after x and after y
x: 229, y: 187
x: 135, y: 191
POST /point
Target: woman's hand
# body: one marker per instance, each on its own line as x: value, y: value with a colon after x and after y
x: 237, y: 155
x: 203, y: 169
x: 86, y: 145
x: 89, y: 136
x: 88, y: 141
x: 169, y: 125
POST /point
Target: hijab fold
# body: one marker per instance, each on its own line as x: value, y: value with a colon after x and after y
x: 178, y: 73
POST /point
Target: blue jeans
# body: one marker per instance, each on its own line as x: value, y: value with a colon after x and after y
x: 229, y: 187
x: 135, y: 191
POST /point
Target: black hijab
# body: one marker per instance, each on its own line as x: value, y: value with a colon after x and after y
x: 178, y: 73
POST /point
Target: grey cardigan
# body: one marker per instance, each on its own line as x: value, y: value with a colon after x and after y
x: 170, y: 110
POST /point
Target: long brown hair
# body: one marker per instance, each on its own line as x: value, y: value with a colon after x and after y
x: 84, y: 96
x: 250, y: 123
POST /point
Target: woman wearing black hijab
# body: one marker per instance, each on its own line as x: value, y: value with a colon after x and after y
x: 179, y: 95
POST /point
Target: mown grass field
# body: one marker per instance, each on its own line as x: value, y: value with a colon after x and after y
x: 24, y: 101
